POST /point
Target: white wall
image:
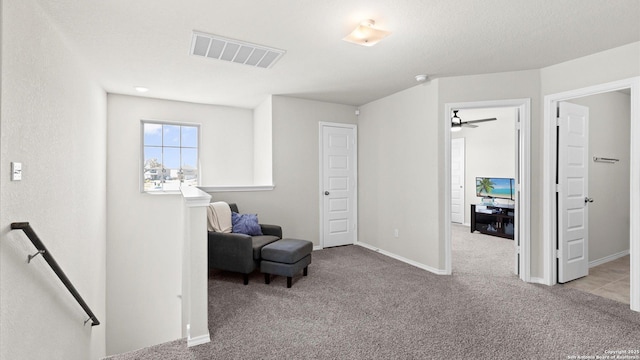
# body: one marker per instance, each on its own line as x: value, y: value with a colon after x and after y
x: 262, y: 144
x: 294, y: 202
x: 615, y: 64
x: 609, y: 129
x: 398, y: 174
x: 607, y: 66
x: 490, y: 150
x: 402, y: 163
x: 411, y: 122
x: 502, y: 86
x: 53, y: 120
x: 144, y: 239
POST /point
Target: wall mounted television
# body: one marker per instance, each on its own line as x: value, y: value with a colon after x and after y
x: 495, y: 188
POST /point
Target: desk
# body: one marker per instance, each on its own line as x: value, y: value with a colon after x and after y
x: 493, y: 220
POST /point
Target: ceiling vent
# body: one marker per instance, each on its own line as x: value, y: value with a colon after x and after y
x: 217, y: 47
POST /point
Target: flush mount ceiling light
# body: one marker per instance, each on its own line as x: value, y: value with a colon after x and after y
x: 421, y: 78
x: 365, y: 34
x: 141, y: 89
x: 219, y: 48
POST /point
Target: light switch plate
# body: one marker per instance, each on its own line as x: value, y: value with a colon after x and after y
x: 16, y: 171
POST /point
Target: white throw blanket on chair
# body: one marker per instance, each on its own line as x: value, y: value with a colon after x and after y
x: 219, y: 217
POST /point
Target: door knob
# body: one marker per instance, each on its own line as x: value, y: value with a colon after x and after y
x: 326, y: 193
x: 588, y: 200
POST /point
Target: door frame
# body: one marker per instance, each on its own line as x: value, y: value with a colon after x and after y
x: 354, y: 128
x: 549, y: 224
x: 464, y: 174
x: 524, y: 175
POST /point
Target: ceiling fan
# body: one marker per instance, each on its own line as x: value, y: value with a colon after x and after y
x: 457, y: 123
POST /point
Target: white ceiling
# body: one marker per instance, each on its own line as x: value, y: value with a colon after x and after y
x: 146, y: 43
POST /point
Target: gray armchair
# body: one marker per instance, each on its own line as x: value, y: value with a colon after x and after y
x: 239, y: 252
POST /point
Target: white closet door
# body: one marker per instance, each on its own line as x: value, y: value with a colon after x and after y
x: 573, y: 200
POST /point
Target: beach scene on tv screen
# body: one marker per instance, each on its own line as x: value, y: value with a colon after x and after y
x: 494, y: 187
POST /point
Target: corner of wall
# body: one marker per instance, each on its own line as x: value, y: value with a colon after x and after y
x: 53, y: 120
x: 395, y: 193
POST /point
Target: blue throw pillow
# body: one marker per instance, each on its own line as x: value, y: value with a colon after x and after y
x: 245, y: 224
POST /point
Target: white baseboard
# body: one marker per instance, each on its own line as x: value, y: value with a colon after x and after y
x: 606, y: 259
x: 537, y: 280
x: 403, y: 259
x: 317, y: 247
x: 198, y: 340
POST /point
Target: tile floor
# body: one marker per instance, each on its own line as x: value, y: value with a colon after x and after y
x: 610, y: 280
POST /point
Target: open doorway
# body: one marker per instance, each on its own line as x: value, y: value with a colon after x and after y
x: 601, y: 251
x: 484, y: 160
x: 556, y: 249
x: 519, y: 225
x: 606, y: 205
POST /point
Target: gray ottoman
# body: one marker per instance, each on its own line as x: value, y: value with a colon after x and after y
x: 285, y: 258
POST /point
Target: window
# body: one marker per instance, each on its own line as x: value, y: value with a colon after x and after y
x: 170, y: 156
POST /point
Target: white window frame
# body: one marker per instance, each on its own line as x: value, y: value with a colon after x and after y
x: 142, y: 145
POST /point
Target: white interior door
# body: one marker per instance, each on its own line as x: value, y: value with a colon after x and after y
x: 573, y: 171
x: 338, y: 185
x: 457, y: 180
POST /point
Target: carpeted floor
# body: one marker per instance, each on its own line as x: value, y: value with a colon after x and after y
x: 358, y: 304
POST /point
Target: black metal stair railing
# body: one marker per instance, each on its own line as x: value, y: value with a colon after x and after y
x: 42, y: 250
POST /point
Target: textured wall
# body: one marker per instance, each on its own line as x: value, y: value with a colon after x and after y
x: 398, y: 174
x: 402, y: 163
x: 294, y: 202
x: 504, y: 86
x: 262, y: 144
x: 607, y: 66
x: 144, y: 247
x: 54, y: 122
x: 615, y: 64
